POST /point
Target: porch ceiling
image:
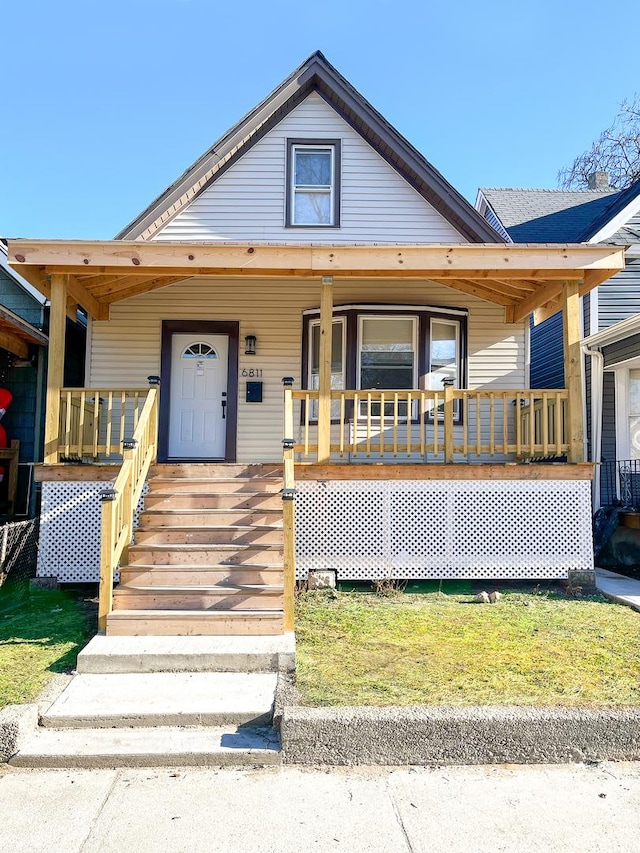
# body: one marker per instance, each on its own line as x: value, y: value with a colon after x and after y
x: 521, y: 277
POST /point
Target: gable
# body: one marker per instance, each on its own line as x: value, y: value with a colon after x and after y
x: 314, y: 75
x: 247, y: 200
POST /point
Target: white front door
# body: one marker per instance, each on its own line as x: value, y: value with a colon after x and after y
x: 198, y: 399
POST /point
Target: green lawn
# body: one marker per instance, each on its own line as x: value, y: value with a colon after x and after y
x: 428, y: 648
x: 39, y: 636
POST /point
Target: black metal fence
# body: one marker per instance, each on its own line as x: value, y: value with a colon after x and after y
x: 18, y: 551
x: 620, y: 483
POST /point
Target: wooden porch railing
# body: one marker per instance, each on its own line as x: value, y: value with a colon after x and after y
x: 120, y: 502
x: 288, y: 506
x: 441, y: 424
x: 94, y: 422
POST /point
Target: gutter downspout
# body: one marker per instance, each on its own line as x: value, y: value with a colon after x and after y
x: 597, y: 371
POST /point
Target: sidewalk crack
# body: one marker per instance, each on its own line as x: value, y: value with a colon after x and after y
x: 96, y: 817
x: 399, y: 820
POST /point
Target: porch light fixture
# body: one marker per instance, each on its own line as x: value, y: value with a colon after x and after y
x: 250, y: 342
x: 153, y: 380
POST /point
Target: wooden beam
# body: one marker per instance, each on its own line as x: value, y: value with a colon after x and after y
x: 573, y: 369
x: 72, y: 309
x: 516, y: 288
x: 479, y: 291
x: 141, y: 287
x: 592, y: 278
x: 82, y: 296
x: 545, y: 311
x: 11, y: 342
x: 55, y: 368
x: 104, y: 285
x: 457, y: 260
x: 324, y: 378
x: 544, y: 293
x: 17, y: 326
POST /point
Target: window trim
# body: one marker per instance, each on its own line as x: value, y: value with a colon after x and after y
x: 334, y: 145
x: 351, y: 314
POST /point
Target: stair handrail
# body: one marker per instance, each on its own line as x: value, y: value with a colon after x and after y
x: 119, y: 503
x: 288, y: 505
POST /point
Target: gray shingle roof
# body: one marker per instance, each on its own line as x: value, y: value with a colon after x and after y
x: 547, y: 216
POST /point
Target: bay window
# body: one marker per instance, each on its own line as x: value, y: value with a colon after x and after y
x: 389, y: 348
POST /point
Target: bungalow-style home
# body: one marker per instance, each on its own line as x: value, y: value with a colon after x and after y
x: 336, y: 343
x: 598, y: 215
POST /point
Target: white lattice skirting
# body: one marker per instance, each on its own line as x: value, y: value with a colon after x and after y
x: 444, y: 529
x: 70, y: 520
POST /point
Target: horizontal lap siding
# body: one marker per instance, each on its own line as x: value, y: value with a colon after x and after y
x: 619, y: 297
x: 247, y: 202
x: 125, y: 350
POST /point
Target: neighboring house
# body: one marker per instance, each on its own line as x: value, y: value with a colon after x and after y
x: 22, y: 372
x: 311, y: 243
x: 598, y: 215
x: 615, y: 358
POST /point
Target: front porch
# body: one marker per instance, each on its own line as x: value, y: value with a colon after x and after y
x: 432, y: 480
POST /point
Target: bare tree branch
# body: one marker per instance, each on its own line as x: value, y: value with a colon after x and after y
x: 616, y: 151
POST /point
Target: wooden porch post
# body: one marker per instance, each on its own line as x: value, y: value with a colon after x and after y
x: 573, y: 369
x: 55, y: 370
x: 324, y: 379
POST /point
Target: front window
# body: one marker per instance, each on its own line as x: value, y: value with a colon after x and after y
x: 387, y: 352
x: 337, y: 362
x: 376, y: 348
x: 313, y: 183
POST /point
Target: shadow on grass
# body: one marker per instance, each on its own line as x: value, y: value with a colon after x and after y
x: 45, y: 619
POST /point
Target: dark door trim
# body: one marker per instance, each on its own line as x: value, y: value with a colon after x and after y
x: 199, y: 327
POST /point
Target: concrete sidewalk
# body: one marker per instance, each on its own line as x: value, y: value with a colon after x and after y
x: 619, y: 588
x: 472, y: 809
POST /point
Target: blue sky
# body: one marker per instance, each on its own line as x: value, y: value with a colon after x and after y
x: 106, y: 103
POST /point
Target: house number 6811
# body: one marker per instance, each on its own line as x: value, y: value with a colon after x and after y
x: 252, y: 373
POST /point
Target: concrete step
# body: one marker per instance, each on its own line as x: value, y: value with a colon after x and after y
x: 193, y: 485
x: 179, y: 555
x: 125, y: 623
x: 214, y: 500
x: 152, y: 518
x: 195, y: 575
x: 198, y: 598
x: 187, y: 654
x: 163, y: 699
x: 164, y: 746
x: 241, y: 534
x: 214, y: 469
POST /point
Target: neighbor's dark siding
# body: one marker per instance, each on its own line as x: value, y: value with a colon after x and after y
x: 621, y: 350
x: 547, y: 357
x: 608, y: 453
x: 619, y: 297
x: 608, y: 450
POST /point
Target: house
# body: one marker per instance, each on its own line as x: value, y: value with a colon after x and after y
x: 597, y: 215
x: 22, y: 379
x: 312, y: 247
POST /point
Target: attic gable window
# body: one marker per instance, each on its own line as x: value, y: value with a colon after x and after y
x: 313, y: 183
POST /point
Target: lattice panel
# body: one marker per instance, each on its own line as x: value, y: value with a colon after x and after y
x: 70, y: 520
x: 444, y: 529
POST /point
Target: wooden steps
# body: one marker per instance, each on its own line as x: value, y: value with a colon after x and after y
x: 207, y: 557
x: 186, y: 623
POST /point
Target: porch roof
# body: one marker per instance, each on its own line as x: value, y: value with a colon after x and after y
x: 521, y: 277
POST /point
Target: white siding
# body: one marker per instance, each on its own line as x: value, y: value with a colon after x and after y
x: 247, y: 202
x: 125, y: 350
